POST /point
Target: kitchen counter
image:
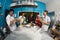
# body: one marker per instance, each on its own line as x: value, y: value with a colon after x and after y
x: 24, y: 33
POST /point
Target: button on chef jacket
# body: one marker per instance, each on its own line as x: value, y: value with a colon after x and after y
x: 8, y: 19
x: 44, y: 26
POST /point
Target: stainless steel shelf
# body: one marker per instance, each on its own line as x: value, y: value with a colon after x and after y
x: 13, y: 5
x: 23, y: 6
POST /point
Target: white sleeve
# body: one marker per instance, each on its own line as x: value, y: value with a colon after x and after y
x: 24, y: 18
x: 8, y: 21
x: 48, y: 19
x: 20, y: 17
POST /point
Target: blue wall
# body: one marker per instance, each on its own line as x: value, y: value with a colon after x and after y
x: 6, y: 5
x: 41, y: 7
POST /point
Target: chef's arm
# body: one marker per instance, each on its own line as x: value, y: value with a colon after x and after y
x: 17, y: 19
x: 12, y: 22
x: 48, y: 23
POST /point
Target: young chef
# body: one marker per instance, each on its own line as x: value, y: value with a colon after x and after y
x: 22, y: 18
x: 46, y: 21
x: 11, y: 20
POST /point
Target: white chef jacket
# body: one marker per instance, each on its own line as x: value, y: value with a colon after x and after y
x: 22, y: 18
x: 8, y: 19
x: 44, y: 26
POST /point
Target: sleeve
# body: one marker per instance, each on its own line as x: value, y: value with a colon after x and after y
x: 48, y: 19
x: 24, y: 18
x: 20, y: 17
x: 8, y: 21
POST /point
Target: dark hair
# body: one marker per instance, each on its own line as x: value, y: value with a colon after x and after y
x: 11, y: 10
x: 45, y: 11
x: 37, y: 13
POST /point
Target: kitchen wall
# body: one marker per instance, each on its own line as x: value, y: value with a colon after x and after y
x: 40, y: 8
x: 54, y: 5
x: 6, y: 5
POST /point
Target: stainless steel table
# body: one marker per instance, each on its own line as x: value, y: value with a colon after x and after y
x: 28, y: 34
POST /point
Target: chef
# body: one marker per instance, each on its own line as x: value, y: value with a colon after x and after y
x: 46, y: 21
x: 11, y: 20
x: 22, y: 18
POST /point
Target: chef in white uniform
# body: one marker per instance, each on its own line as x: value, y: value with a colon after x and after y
x: 46, y: 21
x: 11, y: 20
x: 22, y: 18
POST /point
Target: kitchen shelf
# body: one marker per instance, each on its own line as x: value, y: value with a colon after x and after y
x: 23, y: 5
